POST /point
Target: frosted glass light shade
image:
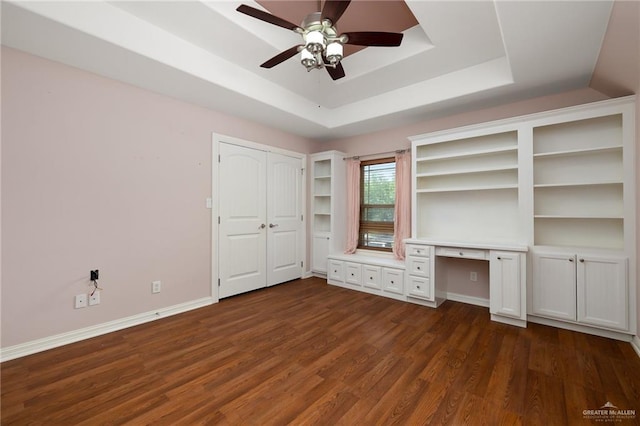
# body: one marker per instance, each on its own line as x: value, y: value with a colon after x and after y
x: 307, y: 59
x: 334, y: 52
x: 315, y: 41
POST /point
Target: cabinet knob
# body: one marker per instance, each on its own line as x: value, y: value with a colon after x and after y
x: 499, y: 258
x: 571, y: 259
x: 581, y: 260
x: 461, y: 254
x: 391, y: 281
x: 418, y: 287
x: 262, y: 226
x: 371, y: 278
x: 418, y: 268
x: 328, y: 238
x: 273, y: 225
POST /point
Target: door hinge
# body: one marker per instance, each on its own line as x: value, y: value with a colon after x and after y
x: 218, y: 158
x: 218, y: 282
x: 301, y: 218
x: 302, y: 264
x: 302, y: 171
x: 218, y: 220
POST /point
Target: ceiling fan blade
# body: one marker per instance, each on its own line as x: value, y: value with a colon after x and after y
x: 266, y: 17
x: 333, y: 9
x: 374, y: 38
x: 281, y: 57
x: 337, y: 72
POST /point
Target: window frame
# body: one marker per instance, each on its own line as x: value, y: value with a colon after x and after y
x: 387, y: 227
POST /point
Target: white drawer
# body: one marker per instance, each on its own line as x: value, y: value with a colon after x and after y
x: 393, y: 280
x: 416, y: 250
x: 421, y: 288
x: 371, y: 277
x: 352, y: 273
x: 418, y: 266
x: 462, y: 253
x: 335, y: 271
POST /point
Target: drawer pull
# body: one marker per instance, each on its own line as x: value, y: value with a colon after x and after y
x: 391, y: 281
x: 371, y: 278
x: 461, y: 254
x: 418, y: 287
x: 581, y: 260
x: 418, y: 268
x: 499, y: 258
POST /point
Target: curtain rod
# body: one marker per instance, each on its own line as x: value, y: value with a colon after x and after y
x: 357, y: 157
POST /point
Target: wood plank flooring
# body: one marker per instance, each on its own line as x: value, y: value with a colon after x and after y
x: 305, y: 352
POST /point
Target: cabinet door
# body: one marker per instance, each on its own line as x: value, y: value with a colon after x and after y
x: 352, y: 273
x: 420, y: 287
x: 505, y: 290
x: 554, y: 285
x: 371, y: 277
x: 603, y: 291
x: 320, y: 252
x: 336, y: 271
x: 393, y: 280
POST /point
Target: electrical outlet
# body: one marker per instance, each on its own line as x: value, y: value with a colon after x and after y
x: 156, y: 286
x: 94, y: 275
x: 94, y: 299
x: 81, y: 301
x: 473, y: 276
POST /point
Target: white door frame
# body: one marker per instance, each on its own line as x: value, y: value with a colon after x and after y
x: 215, y: 213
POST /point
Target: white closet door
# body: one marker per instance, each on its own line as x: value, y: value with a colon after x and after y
x: 242, y: 229
x: 284, y: 191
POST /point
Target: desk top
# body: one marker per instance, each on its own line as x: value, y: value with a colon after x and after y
x: 474, y: 245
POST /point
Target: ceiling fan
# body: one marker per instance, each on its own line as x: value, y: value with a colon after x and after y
x: 323, y: 46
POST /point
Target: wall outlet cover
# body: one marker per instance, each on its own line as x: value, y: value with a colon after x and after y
x: 95, y: 298
x: 80, y: 301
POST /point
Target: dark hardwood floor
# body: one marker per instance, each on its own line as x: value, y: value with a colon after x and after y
x: 305, y: 352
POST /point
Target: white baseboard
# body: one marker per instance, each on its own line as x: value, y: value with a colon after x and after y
x: 471, y: 300
x: 39, y: 345
x: 635, y: 344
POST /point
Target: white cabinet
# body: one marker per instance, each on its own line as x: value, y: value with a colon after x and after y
x: 379, y: 275
x: 352, y: 273
x: 371, y: 277
x: 328, y: 198
x: 507, y: 295
x: 420, y: 271
x: 582, y: 288
x: 393, y: 280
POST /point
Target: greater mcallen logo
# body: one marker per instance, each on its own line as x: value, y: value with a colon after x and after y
x: 608, y: 413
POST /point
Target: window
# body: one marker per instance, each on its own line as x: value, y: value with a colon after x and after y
x: 377, y: 204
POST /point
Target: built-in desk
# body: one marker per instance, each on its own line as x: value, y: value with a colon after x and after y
x: 507, y: 274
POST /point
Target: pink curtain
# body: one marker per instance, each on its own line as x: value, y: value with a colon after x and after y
x: 353, y: 204
x: 403, y: 203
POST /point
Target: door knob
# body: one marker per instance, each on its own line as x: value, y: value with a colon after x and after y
x: 272, y: 225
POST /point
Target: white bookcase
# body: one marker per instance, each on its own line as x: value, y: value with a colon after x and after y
x: 561, y: 183
x: 578, y: 179
x: 469, y: 179
x: 328, y: 207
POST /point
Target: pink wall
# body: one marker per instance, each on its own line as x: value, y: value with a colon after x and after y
x: 97, y: 174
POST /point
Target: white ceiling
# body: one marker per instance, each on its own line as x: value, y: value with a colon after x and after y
x: 462, y: 55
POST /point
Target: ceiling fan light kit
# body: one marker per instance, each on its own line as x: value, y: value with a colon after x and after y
x: 323, y: 47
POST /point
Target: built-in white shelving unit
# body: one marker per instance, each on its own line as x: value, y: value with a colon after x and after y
x: 469, y: 178
x: 561, y: 183
x: 328, y: 203
x: 578, y: 180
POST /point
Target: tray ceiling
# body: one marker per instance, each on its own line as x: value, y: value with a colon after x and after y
x: 455, y: 55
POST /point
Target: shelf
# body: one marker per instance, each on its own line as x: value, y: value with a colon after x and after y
x: 550, y: 216
x: 468, y: 188
x: 467, y: 154
x: 322, y: 177
x: 576, y: 152
x: 468, y: 171
x: 573, y: 184
x: 322, y: 195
